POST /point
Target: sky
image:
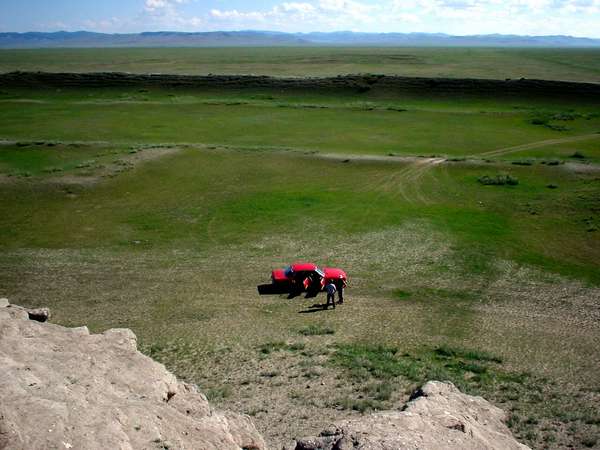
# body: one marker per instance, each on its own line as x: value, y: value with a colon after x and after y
x: 458, y: 17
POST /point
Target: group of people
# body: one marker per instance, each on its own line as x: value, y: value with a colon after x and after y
x: 331, y: 288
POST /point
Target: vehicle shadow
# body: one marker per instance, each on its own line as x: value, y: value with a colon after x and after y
x: 271, y: 289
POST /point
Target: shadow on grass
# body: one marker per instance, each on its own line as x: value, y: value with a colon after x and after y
x: 317, y: 307
x: 272, y: 289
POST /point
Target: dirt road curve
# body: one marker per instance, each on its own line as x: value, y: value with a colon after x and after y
x: 518, y: 148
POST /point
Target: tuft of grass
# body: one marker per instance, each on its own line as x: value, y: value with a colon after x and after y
x: 522, y: 162
x: 468, y: 369
x: 589, y: 441
x: 270, y: 347
x: 360, y: 405
x: 270, y: 374
x: 218, y: 393
x: 399, y: 294
x: 316, y: 330
x: 377, y: 361
x: 498, y: 180
x: 552, y: 162
x: 311, y: 373
x: 380, y: 391
x: 578, y: 155
x: 396, y: 108
x: 477, y: 355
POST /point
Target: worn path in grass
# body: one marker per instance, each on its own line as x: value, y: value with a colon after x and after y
x: 539, y: 144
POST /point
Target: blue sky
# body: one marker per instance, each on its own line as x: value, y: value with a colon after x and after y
x: 540, y: 17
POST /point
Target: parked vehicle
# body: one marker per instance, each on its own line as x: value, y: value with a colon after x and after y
x: 302, y: 277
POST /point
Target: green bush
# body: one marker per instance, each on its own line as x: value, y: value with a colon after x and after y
x: 578, y: 155
x: 522, y: 162
x: 316, y: 330
x: 498, y: 180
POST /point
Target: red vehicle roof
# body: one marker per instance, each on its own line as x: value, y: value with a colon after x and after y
x: 303, y: 267
x: 332, y: 273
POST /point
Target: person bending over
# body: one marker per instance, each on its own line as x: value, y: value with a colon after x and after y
x: 331, y: 289
x: 340, y: 284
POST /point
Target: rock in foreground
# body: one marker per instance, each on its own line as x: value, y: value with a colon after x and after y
x: 66, y: 388
x: 437, y: 416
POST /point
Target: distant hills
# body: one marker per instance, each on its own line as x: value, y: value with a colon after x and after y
x: 268, y: 38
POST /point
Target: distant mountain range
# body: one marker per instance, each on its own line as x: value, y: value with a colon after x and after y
x: 268, y: 38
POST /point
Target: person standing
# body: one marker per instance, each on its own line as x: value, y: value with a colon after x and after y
x: 331, y: 290
x: 340, y: 284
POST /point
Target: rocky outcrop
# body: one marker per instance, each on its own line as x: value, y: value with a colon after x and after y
x: 64, y: 388
x: 437, y: 416
x: 353, y: 83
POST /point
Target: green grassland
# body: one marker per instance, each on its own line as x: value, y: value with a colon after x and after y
x: 161, y: 210
x: 496, y: 63
x: 326, y: 122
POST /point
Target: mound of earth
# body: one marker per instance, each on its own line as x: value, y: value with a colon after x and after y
x: 353, y: 83
x: 437, y: 416
x: 66, y: 388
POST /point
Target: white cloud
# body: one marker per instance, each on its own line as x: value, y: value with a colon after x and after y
x: 575, y: 17
x: 301, y: 16
x: 162, y: 5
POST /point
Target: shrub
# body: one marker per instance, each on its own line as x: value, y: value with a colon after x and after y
x: 316, y: 330
x: 477, y: 355
x: 565, y: 116
x: 522, y: 162
x: 270, y: 347
x: 379, y: 391
x: 399, y: 294
x: 270, y: 374
x: 544, y: 119
x: 498, y: 180
x: 218, y: 393
x: 589, y: 441
x: 539, y: 121
x: 578, y: 155
x: 552, y: 162
x: 556, y: 127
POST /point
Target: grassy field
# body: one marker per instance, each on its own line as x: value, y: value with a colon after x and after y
x: 553, y: 64
x: 161, y: 210
x: 370, y: 123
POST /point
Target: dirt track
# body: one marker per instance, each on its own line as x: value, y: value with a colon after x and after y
x: 532, y: 145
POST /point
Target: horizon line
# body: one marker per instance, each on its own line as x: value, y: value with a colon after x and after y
x: 438, y: 33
